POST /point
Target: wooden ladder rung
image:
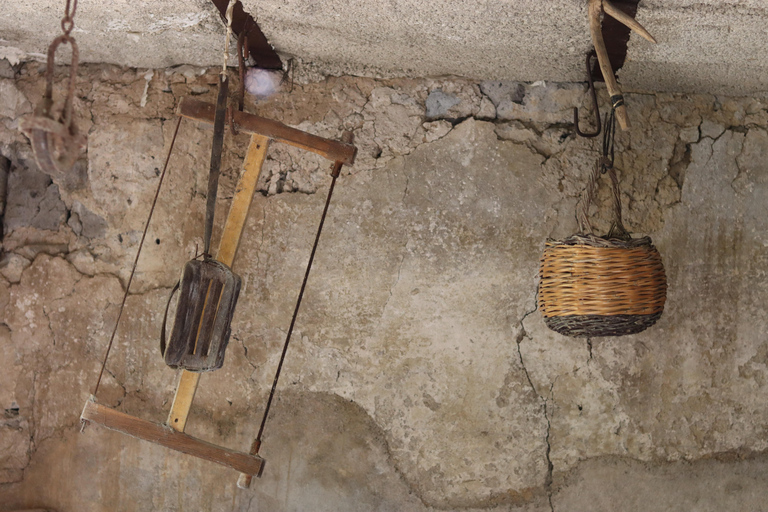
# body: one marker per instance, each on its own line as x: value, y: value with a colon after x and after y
x: 170, y: 438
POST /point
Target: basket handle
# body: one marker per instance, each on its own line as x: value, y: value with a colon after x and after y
x: 617, y: 226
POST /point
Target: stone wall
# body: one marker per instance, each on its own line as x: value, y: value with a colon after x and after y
x: 421, y: 377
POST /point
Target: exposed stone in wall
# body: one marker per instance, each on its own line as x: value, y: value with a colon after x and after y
x: 420, y: 376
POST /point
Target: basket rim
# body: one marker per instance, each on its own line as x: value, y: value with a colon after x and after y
x: 592, y: 240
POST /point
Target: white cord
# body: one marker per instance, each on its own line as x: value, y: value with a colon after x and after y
x: 230, y: 8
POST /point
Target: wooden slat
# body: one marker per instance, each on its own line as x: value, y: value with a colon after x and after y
x: 331, y: 149
x: 170, y: 438
x: 182, y: 400
x: 241, y: 202
x: 230, y: 241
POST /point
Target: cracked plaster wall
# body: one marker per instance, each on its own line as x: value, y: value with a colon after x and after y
x: 420, y: 376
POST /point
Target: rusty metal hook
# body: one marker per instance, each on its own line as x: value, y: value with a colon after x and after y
x: 66, y: 113
x: 594, y: 102
x: 56, y: 144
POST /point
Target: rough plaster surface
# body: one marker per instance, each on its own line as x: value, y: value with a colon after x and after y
x: 420, y: 376
x: 694, y: 38
x: 705, y: 46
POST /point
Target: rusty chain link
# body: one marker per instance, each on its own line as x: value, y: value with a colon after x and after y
x: 68, y: 21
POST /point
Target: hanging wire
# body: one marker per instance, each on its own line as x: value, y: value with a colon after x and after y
x: 256, y: 445
x: 296, y: 309
x: 242, y: 57
x: 609, y: 137
x: 136, y: 260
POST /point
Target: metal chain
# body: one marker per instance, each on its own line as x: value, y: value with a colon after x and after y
x: 68, y: 21
x: 135, y: 261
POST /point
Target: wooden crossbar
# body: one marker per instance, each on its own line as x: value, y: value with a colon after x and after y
x: 170, y: 438
x: 331, y: 149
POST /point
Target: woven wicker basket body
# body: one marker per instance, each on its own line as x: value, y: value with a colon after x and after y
x: 593, y: 286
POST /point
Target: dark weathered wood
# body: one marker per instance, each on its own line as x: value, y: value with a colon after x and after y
x: 262, y: 52
x: 616, y: 37
x: 166, y: 436
x: 331, y: 149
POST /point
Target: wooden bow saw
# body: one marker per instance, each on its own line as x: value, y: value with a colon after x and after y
x: 171, y: 434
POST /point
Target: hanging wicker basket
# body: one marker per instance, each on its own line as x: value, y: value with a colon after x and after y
x: 601, y: 286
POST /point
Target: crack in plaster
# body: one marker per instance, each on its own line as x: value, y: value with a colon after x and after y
x: 31, y: 428
x: 33, y: 416
x: 247, y: 359
x: 122, y: 386
x: 397, y: 279
x: 740, y: 171
x: 545, y: 405
x: 550, y: 466
x: 405, y: 250
x: 50, y: 325
x: 261, y: 241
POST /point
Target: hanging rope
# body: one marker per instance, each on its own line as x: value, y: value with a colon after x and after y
x: 136, y: 260
x: 609, y: 137
x: 604, y: 165
x: 230, y: 8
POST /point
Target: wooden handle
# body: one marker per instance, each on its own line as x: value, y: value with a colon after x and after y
x: 622, y: 117
x: 182, y: 400
x: 595, y: 27
x: 596, y: 8
x: 241, y: 202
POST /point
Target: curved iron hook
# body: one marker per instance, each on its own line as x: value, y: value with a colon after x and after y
x: 594, y: 102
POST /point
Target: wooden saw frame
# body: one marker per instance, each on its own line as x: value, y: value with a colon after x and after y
x: 171, y: 434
